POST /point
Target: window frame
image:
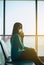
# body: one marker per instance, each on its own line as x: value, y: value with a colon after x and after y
x: 36, y: 35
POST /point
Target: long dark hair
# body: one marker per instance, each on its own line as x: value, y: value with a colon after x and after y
x: 16, y: 28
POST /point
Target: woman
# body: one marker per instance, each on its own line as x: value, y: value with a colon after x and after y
x: 18, y: 51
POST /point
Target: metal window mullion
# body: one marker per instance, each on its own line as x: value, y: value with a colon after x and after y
x: 36, y: 44
x: 4, y: 18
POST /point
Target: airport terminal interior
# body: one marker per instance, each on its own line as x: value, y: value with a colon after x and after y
x: 31, y: 14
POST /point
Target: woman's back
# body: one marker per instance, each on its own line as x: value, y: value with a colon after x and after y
x: 16, y: 46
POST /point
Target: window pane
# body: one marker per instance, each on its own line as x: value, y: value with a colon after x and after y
x: 2, y: 59
x: 1, y: 17
x: 20, y: 11
x: 29, y: 41
x: 41, y: 45
x: 7, y: 48
x: 40, y: 17
x: 0, y: 37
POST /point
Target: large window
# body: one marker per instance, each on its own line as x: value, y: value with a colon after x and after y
x: 25, y: 12
x: 1, y: 17
x: 20, y: 11
x: 1, y: 31
x: 29, y: 41
x: 40, y: 45
x: 40, y: 28
x: 1, y: 57
x: 41, y: 17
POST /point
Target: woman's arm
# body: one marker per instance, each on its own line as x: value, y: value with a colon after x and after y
x: 17, y: 41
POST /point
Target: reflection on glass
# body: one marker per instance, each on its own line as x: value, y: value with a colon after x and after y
x: 40, y: 17
x: 41, y: 45
x: 0, y: 37
x: 29, y: 41
x: 1, y: 17
x: 20, y: 11
x: 2, y: 59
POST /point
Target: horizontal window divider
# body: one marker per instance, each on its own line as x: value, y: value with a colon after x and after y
x: 20, y: 0
x: 24, y: 35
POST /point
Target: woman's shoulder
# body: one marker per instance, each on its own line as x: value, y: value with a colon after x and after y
x: 16, y: 36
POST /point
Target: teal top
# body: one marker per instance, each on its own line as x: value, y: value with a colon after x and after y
x: 16, y: 46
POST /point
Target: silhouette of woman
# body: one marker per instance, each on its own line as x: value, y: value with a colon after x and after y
x: 18, y: 51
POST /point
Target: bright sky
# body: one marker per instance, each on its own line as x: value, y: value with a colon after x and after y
x: 1, y: 17
x: 41, y: 17
x: 21, y: 11
x: 24, y: 12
